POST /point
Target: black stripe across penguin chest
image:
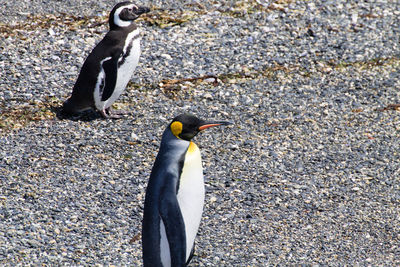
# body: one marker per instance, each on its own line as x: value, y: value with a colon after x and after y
x: 131, y: 42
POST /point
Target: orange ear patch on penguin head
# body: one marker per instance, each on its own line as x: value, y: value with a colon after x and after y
x: 176, y: 128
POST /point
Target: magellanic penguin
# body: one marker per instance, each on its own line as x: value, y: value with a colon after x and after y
x: 174, y: 195
x: 109, y: 67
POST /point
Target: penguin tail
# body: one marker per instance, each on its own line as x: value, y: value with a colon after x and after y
x: 75, y: 110
x: 67, y: 108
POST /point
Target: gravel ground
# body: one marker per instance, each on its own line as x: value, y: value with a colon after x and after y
x: 309, y: 173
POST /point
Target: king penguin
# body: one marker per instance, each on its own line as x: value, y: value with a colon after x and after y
x: 174, y: 195
x: 109, y: 67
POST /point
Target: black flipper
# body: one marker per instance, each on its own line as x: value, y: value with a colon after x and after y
x: 174, y: 226
x: 111, y: 72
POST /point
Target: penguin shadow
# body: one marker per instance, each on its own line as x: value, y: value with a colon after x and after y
x: 88, y: 115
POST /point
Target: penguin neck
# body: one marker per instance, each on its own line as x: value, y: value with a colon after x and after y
x: 114, y: 27
x: 170, y: 158
x: 172, y: 143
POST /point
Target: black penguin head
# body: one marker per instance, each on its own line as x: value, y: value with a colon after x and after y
x: 123, y: 14
x: 186, y: 126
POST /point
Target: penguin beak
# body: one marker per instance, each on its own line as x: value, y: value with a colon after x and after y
x: 141, y: 10
x: 213, y: 124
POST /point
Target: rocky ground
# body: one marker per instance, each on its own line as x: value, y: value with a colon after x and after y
x: 308, y: 174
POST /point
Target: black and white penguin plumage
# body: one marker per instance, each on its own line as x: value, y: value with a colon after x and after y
x: 109, y: 67
x: 175, y: 195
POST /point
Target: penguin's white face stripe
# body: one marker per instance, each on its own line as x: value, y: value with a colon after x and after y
x: 118, y: 21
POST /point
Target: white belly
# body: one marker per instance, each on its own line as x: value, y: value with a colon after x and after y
x: 191, y: 195
x: 125, y: 71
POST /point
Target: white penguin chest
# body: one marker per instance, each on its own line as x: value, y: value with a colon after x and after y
x: 126, y: 66
x: 128, y: 62
x: 191, y: 194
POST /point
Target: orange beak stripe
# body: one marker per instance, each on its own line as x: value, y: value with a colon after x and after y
x: 203, y: 127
